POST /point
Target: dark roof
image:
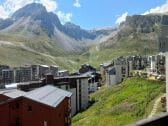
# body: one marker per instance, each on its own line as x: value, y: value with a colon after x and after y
x: 71, y: 77
x: 12, y: 93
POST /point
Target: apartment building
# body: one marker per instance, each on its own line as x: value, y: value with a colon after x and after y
x: 2, y: 67
x: 54, y: 70
x: 8, y: 76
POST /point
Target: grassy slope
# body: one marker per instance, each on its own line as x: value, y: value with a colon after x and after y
x: 44, y: 52
x: 124, y: 46
x: 135, y: 43
x: 121, y: 105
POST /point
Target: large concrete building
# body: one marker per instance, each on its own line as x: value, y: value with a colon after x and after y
x: 54, y: 70
x: 120, y: 68
x: 78, y: 85
x: 25, y: 73
x: 113, y: 75
x: 46, y: 106
x: 39, y: 71
x: 2, y: 67
x: 157, y: 65
x: 7, y: 76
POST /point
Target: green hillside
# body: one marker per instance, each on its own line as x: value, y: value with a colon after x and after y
x: 18, y: 51
x: 138, y: 35
x: 123, y: 104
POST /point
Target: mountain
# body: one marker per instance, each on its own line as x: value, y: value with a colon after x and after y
x: 142, y: 29
x: 33, y: 21
x: 32, y: 35
x: 33, y: 32
x: 138, y: 35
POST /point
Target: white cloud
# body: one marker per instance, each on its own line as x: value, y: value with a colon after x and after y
x: 77, y: 4
x: 121, y: 18
x: 3, y: 14
x: 64, y: 17
x: 51, y: 5
x: 10, y: 6
x: 160, y: 9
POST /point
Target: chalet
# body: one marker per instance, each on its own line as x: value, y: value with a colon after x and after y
x: 45, y: 106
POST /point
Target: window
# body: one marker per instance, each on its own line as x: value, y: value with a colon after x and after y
x: 66, y: 87
x: 29, y: 108
x: 79, y: 81
x: 18, y: 123
x: 59, y: 114
x: 45, y: 123
x: 17, y: 105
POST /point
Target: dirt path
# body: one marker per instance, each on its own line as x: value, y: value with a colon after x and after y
x: 155, y: 106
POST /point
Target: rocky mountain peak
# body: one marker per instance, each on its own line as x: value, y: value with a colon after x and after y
x: 30, y: 10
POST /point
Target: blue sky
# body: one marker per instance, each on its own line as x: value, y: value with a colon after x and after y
x: 90, y: 13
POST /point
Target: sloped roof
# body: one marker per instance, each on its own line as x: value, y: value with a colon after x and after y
x: 12, y: 93
x: 48, y: 95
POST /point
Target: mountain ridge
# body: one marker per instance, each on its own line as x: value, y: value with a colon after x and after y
x: 43, y: 32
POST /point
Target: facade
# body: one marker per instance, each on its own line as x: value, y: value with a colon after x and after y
x: 114, y: 75
x: 35, y: 72
x: 153, y: 63
x: 54, y: 70
x: 51, y: 107
x: 103, y: 71
x: 8, y: 76
x: 43, y: 70
x: 93, y: 85
x: 22, y: 74
x: 111, y: 77
x: 2, y: 67
x: 157, y: 65
x: 17, y: 75
x: 94, y: 79
x: 121, y: 68
x: 39, y: 71
x: 161, y: 67
x: 25, y: 73
x: 78, y: 85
